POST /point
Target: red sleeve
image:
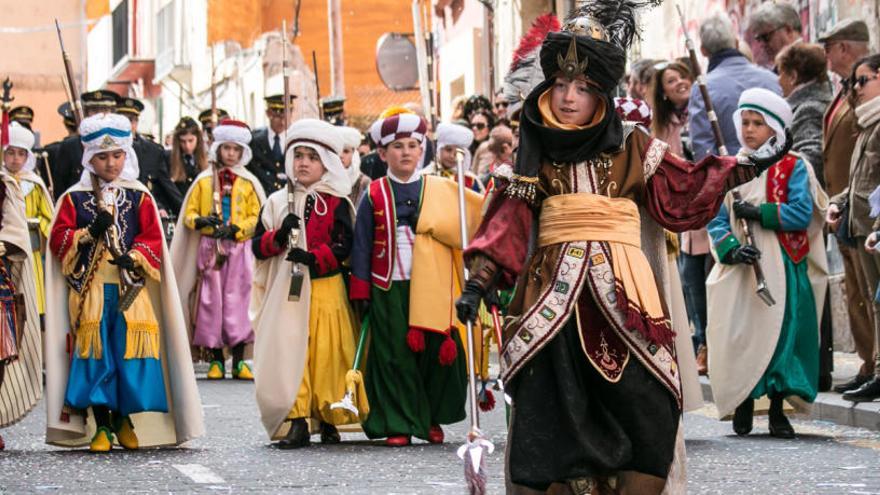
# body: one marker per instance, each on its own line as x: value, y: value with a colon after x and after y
x: 148, y: 242
x: 325, y: 260
x: 61, y: 237
x: 268, y: 247
x: 503, y: 236
x: 360, y: 289
x: 684, y: 196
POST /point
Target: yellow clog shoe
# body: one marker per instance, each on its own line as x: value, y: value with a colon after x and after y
x: 242, y: 372
x: 216, y: 371
x: 125, y: 434
x: 102, y: 441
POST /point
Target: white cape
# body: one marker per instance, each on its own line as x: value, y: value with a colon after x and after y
x: 742, y: 331
x: 184, y: 421
x: 23, y: 384
x: 281, y: 326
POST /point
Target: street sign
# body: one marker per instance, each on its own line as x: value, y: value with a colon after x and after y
x: 396, y: 62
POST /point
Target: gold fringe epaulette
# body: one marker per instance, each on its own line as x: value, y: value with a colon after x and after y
x: 523, y: 188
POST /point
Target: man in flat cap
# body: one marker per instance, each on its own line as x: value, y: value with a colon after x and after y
x: 845, y: 43
x: 151, y: 159
x: 209, y: 122
x: 67, y: 164
x: 268, y: 145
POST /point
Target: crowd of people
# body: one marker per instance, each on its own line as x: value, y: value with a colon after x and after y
x: 324, y: 262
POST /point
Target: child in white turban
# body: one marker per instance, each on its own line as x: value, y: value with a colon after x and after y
x: 451, y: 140
x: 756, y: 349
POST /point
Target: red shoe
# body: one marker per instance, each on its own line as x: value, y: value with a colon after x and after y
x: 435, y: 434
x: 397, y: 441
x: 2, y: 445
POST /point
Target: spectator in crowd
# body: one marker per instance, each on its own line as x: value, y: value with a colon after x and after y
x: 481, y: 122
x: 188, y: 155
x: 845, y: 43
x: 864, y: 178
x: 458, y: 107
x: 807, y: 89
x: 500, y: 151
x: 729, y: 74
x: 500, y: 105
x: 636, y: 86
x: 669, y: 92
x: 775, y: 26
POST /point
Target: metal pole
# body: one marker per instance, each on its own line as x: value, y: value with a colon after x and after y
x: 337, y: 63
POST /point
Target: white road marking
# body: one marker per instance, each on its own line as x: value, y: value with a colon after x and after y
x: 198, y: 473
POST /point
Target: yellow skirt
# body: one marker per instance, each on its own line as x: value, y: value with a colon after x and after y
x: 330, y: 354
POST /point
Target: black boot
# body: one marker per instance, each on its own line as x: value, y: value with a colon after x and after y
x: 742, y: 417
x: 779, y: 425
x: 329, y: 434
x: 297, y: 437
x: 868, y: 392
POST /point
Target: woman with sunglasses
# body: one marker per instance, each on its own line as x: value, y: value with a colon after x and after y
x: 864, y: 178
x: 481, y: 122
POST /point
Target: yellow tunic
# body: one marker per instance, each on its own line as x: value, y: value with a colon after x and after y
x: 38, y: 210
x: 245, y: 209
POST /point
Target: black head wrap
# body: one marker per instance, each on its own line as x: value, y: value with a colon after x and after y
x: 606, y: 62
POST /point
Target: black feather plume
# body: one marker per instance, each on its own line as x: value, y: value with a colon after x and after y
x: 617, y: 16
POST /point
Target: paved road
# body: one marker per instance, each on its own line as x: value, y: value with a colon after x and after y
x: 236, y: 457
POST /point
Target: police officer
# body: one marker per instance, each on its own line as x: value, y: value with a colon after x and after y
x: 208, y: 123
x: 151, y: 160
x: 66, y: 167
x: 267, y: 144
x: 24, y: 115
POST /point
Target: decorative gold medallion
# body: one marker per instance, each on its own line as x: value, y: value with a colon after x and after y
x: 570, y: 66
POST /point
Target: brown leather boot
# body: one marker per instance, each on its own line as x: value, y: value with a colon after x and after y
x: 298, y: 435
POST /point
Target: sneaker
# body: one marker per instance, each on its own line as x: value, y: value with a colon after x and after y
x: 242, y: 372
x: 216, y: 371
x: 125, y: 434
x: 102, y: 441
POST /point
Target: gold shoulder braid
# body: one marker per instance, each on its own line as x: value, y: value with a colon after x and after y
x: 523, y: 187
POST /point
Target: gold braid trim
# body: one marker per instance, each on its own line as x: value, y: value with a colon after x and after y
x: 141, y: 262
x: 88, y: 340
x: 523, y: 188
x: 142, y: 340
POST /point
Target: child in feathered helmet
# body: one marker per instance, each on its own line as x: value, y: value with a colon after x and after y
x: 219, y: 215
x: 406, y: 266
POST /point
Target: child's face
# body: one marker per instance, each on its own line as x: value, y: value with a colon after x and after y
x: 402, y: 156
x: 447, y: 157
x: 108, y: 164
x: 14, y: 158
x: 307, y: 166
x: 755, y: 130
x: 346, y: 155
x: 230, y: 154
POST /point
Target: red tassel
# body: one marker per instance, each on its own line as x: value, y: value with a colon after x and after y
x: 448, y: 351
x: 487, y: 400
x: 415, y: 339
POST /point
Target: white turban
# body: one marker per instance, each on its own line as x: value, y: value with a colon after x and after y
x: 449, y: 134
x: 775, y: 110
x: 21, y: 137
x: 235, y: 132
x: 326, y: 140
x: 105, y: 132
x: 351, y: 138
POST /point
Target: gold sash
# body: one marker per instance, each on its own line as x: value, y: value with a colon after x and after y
x: 591, y: 217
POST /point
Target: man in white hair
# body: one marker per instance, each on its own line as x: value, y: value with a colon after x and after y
x: 21, y: 357
x: 453, y: 139
x: 216, y: 223
x: 305, y: 347
x: 351, y: 160
x: 115, y: 339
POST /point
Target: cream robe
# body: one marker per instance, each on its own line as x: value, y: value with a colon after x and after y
x: 23, y: 385
x: 742, y: 331
x: 184, y: 421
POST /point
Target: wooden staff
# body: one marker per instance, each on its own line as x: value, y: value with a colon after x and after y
x: 763, y: 291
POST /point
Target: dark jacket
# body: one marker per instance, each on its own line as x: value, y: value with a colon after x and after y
x: 268, y: 170
x: 808, y: 104
x: 154, y: 174
x: 65, y: 162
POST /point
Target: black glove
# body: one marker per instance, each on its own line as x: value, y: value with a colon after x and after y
x: 225, y: 232
x: 125, y: 262
x: 301, y: 256
x: 209, y: 221
x: 291, y: 221
x: 744, y: 209
x: 103, y: 220
x: 748, y: 255
x: 468, y: 305
x: 767, y: 155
